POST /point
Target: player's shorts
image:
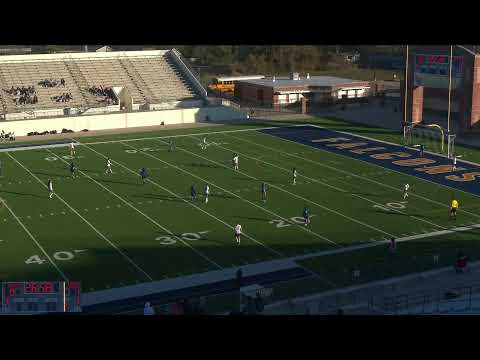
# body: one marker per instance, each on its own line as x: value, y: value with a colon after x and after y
x: 453, y: 210
x: 238, y: 233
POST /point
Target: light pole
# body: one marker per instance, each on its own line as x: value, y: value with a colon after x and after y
x: 449, y: 90
x: 406, y: 91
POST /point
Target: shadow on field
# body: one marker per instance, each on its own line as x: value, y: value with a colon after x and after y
x: 160, y: 197
x: 269, y: 181
x: 101, y: 180
x: 222, y: 196
x: 47, y: 174
x: 17, y: 193
x: 204, y: 166
x: 254, y: 218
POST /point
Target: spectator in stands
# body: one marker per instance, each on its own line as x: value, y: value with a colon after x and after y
x: 62, y: 82
x: 461, y: 263
x: 239, y: 278
x: 250, y: 306
x: 259, y: 306
x: 392, y: 246
x: 148, y: 309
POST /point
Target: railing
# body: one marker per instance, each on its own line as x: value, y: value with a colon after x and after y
x: 178, y: 59
x: 444, y: 300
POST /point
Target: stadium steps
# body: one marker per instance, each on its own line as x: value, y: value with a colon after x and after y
x: 109, y: 73
x: 80, y: 81
x: 138, y: 81
x: 3, y: 100
x: 181, y: 76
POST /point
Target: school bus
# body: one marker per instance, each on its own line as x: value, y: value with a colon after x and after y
x: 227, y: 84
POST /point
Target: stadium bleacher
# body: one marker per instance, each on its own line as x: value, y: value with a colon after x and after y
x: 149, y: 77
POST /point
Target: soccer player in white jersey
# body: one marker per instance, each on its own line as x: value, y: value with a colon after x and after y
x: 238, y: 233
x: 72, y: 149
x: 405, y: 191
x: 294, y: 174
x: 207, y: 192
x: 235, y: 162
x: 50, y: 188
x: 204, y: 143
x: 109, y: 167
x: 454, y: 165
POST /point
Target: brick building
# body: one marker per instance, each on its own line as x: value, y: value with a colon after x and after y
x: 428, y: 83
x: 276, y: 92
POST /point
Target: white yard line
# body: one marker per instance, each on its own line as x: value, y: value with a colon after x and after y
x: 188, y: 202
x: 232, y: 193
x: 34, y: 240
x: 365, y: 178
x: 292, y: 194
x: 85, y: 220
x: 142, y: 213
x: 334, y: 187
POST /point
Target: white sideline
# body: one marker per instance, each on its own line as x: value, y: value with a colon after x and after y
x: 295, y: 195
x: 232, y: 193
x: 365, y: 178
x: 182, y: 135
x: 141, y: 212
x: 143, y: 289
x: 85, y: 220
x: 34, y: 240
x: 33, y: 147
x: 328, y: 185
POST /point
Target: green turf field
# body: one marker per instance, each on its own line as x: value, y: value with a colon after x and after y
x: 111, y: 230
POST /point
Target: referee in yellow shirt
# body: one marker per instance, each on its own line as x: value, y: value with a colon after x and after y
x: 453, y: 209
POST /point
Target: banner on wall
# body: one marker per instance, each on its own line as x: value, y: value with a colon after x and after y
x: 433, y: 71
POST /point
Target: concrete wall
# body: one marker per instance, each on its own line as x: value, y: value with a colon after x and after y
x: 122, y: 120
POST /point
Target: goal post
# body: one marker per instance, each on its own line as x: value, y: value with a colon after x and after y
x: 451, y: 146
x: 431, y: 136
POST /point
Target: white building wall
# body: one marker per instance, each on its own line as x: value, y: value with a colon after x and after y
x: 122, y: 120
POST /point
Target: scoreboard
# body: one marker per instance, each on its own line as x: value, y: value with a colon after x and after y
x: 35, y: 297
x: 433, y: 71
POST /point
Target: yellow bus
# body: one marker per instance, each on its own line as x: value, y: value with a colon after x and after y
x: 226, y: 84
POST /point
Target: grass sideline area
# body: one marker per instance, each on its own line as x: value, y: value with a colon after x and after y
x: 110, y: 231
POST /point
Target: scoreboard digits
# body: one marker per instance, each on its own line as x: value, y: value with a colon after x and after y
x: 32, y: 297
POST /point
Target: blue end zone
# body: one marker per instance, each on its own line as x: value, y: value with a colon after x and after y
x: 405, y: 160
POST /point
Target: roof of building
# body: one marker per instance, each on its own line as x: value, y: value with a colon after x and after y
x: 303, y: 81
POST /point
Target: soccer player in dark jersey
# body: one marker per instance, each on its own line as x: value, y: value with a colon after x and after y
x: 422, y: 149
x: 193, y: 193
x: 264, y: 192
x: 73, y: 169
x: 144, y: 175
x: 306, y: 215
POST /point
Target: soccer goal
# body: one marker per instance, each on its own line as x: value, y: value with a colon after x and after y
x: 431, y: 136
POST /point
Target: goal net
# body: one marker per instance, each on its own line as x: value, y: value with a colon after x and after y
x: 432, y: 137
